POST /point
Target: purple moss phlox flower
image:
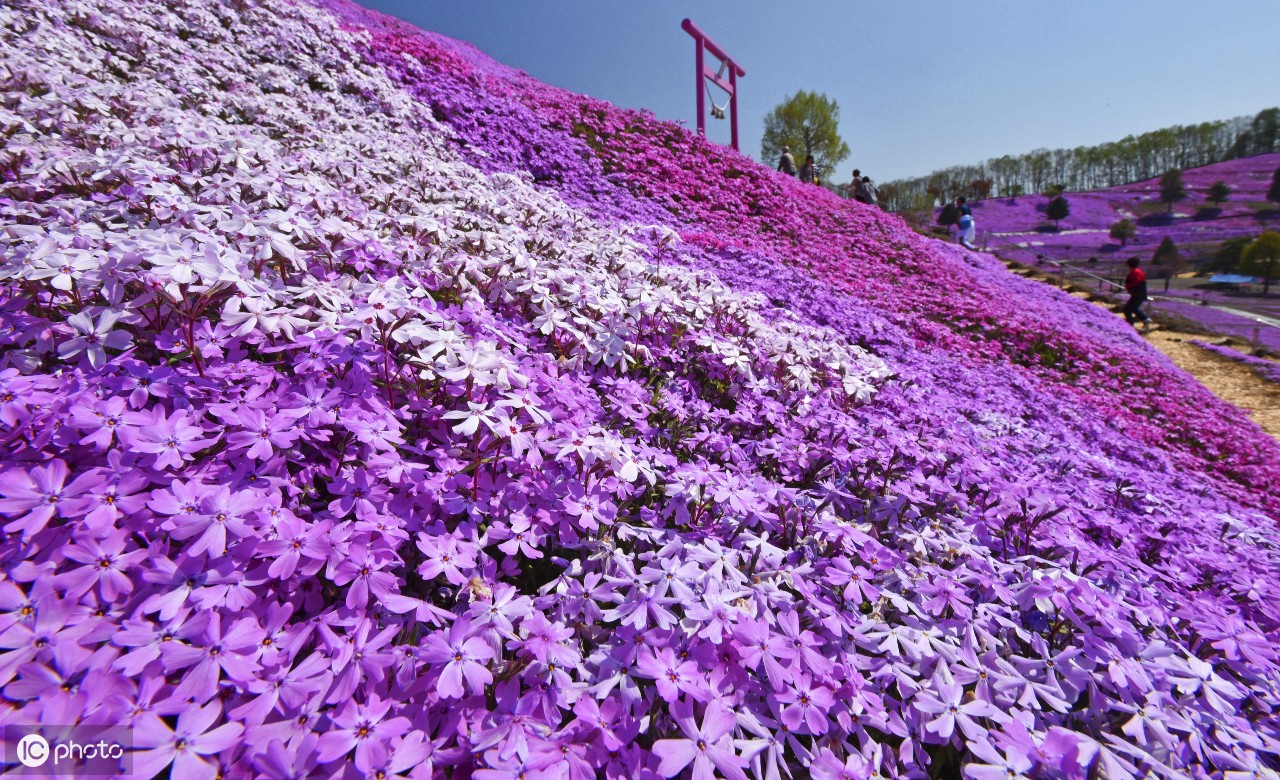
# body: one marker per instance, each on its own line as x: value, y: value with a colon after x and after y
x: 187, y: 747
x: 38, y: 495
x: 262, y: 433
x: 463, y: 657
x: 949, y: 708
x: 708, y: 746
x: 171, y: 438
x: 361, y: 727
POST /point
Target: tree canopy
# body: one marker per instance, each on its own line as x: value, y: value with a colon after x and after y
x: 1261, y: 256
x: 1166, y: 254
x: 1059, y: 208
x: 1123, y: 230
x: 1218, y: 193
x: 1172, y: 187
x: 1133, y: 158
x: 1227, y: 258
x: 1263, y: 136
x: 808, y: 123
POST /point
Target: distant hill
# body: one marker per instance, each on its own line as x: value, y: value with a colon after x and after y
x: 1087, y: 168
x: 1019, y: 229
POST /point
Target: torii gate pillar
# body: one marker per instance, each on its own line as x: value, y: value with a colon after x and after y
x: 703, y: 43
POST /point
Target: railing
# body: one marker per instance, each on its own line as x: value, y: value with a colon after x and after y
x: 1066, y: 271
x: 1063, y: 267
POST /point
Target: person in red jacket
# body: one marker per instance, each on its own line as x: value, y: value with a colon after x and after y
x: 1136, y: 285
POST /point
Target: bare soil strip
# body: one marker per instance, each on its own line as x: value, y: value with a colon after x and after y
x: 1232, y: 382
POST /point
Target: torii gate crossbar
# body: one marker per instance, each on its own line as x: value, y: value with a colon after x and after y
x: 704, y: 44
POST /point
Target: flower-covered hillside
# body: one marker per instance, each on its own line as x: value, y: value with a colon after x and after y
x: 1018, y: 229
x: 754, y: 228
x: 369, y: 409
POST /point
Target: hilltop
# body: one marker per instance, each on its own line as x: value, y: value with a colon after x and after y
x: 372, y: 409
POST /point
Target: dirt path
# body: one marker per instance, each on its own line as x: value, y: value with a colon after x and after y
x: 1232, y: 382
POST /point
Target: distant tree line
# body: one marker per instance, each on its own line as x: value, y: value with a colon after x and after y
x: 1130, y: 159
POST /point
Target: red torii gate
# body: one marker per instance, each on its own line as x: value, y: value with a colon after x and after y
x: 703, y: 43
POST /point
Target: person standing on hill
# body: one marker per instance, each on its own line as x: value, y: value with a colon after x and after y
x: 788, y: 163
x: 872, y: 194
x: 809, y: 171
x: 1136, y: 285
x: 854, y: 187
x: 965, y: 227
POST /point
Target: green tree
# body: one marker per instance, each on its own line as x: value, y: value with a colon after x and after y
x: 1227, y: 259
x: 890, y: 197
x: 1054, y: 190
x: 949, y: 214
x: 1218, y: 193
x: 1265, y: 131
x: 1261, y: 256
x: 1243, y: 145
x: 1059, y: 208
x: 808, y: 123
x: 1166, y: 254
x: 1123, y: 230
x: 1168, y: 258
x: 1015, y: 191
x: 1172, y: 188
x: 980, y: 189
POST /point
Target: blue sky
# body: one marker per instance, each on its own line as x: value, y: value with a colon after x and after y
x: 921, y: 84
